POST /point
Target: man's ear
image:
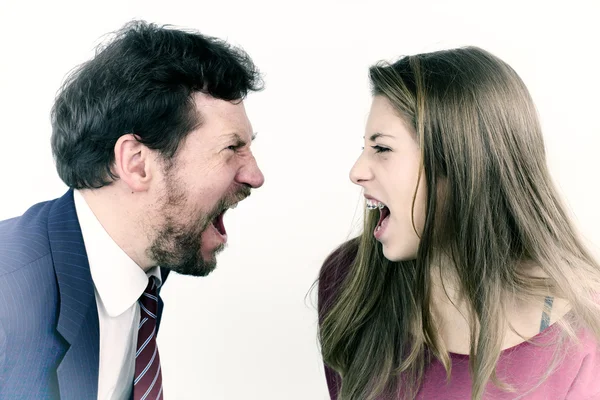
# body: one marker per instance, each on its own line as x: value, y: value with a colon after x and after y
x: 133, y: 163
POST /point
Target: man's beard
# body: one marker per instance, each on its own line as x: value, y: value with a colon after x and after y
x: 177, y: 245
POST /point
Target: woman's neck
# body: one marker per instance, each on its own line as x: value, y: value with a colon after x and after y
x: 452, y: 312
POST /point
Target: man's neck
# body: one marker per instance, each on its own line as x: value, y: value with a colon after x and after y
x: 120, y: 219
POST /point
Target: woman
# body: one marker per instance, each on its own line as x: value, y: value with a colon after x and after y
x: 469, y: 280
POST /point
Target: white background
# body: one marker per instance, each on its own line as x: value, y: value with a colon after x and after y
x: 247, y: 331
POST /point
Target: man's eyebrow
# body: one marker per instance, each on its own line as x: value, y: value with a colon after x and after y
x: 378, y: 135
x: 238, y: 139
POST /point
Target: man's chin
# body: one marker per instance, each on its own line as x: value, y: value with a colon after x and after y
x: 204, y: 270
x: 200, y: 269
x: 202, y: 264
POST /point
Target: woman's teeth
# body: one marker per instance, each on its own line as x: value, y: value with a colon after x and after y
x: 374, y: 204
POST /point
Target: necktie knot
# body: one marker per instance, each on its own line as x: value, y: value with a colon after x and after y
x: 152, y: 287
x: 149, y: 299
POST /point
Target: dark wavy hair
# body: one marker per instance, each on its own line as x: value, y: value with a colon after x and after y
x: 141, y: 82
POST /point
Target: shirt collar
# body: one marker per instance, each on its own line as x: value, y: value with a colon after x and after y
x: 118, y: 280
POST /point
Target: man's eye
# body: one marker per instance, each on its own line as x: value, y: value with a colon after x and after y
x: 235, y: 147
x: 379, y: 149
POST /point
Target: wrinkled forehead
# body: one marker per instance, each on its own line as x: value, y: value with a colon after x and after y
x: 223, y: 117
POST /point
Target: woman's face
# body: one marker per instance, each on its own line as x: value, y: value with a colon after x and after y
x: 388, y: 170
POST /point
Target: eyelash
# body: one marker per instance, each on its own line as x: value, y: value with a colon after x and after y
x: 235, y: 147
x: 378, y: 149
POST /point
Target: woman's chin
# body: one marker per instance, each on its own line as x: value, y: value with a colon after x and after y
x: 398, y: 254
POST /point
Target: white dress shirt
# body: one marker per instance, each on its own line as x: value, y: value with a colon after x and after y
x: 118, y: 283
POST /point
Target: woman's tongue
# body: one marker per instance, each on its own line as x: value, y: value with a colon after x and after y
x: 384, y: 214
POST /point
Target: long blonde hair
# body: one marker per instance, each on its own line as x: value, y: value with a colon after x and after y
x: 478, y: 130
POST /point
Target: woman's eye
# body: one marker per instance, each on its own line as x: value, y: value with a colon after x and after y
x: 379, y: 149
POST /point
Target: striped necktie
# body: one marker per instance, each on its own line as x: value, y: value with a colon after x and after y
x: 147, y: 384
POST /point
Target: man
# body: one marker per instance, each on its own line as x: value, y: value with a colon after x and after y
x: 152, y: 138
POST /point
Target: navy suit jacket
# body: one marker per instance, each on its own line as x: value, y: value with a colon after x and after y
x: 49, y: 331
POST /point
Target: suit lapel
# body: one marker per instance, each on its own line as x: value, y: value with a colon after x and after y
x: 78, y: 314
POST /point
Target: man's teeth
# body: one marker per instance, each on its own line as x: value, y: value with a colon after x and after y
x: 373, y: 204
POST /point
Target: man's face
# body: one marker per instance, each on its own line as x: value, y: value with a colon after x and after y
x: 213, y: 170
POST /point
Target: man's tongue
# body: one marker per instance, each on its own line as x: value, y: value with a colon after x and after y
x: 219, y: 225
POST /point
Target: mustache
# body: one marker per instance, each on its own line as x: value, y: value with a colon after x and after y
x: 239, y: 195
